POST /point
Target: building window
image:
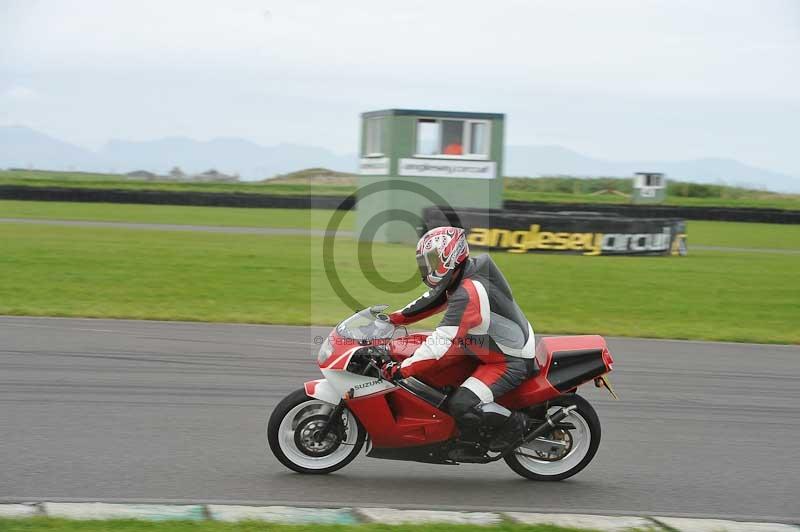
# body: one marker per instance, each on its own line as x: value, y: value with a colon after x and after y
x: 453, y: 138
x: 374, y: 133
x: 427, y: 137
x: 478, y: 138
x: 649, y: 180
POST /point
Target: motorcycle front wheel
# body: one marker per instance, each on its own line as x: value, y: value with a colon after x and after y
x: 293, y: 434
x: 563, y: 452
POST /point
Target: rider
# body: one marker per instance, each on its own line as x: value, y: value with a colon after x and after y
x: 482, y: 320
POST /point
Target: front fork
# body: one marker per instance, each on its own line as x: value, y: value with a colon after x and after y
x: 334, y: 423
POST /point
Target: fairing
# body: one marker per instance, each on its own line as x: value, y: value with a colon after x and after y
x: 322, y: 390
x: 395, y: 417
x: 540, y: 388
x: 401, y: 419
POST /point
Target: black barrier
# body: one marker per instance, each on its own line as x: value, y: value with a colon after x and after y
x: 566, y: 232
x: 171, y: 197
x: 255, y: 200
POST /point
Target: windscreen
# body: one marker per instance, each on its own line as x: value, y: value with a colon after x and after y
x: 364, y: 325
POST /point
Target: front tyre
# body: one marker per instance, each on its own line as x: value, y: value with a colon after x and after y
x: 293, y: 429
x: 561, y: 453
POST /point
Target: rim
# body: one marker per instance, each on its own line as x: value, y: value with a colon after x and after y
x: 559, y: 455
x: 300, y: 423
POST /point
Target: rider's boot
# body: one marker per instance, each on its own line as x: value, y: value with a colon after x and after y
x: 468, y: 446
x: 514, y: 428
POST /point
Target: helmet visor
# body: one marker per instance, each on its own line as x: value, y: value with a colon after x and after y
x: 428, y: 263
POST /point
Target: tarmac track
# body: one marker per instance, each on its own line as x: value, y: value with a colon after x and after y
x: 105, y: 410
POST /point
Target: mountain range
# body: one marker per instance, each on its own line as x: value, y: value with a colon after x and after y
x: 22, y: 147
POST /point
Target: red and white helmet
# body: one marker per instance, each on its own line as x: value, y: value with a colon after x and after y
x: 439, y: 252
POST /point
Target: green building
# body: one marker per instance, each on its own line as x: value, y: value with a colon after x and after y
x: 413, y: 159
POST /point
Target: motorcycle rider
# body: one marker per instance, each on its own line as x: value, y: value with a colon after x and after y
x: 482, y: 320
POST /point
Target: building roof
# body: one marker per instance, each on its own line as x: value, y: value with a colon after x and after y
x: 432, y: 114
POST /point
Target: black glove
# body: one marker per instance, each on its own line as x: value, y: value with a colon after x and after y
x: 390, y: 371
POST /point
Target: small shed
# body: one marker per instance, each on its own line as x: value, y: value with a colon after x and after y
x: 649, y: 187
x: 412, y: 159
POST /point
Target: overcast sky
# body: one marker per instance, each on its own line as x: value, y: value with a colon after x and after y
x: 636, y: 79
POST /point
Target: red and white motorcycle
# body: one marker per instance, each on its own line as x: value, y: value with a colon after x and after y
x: 322, y: 427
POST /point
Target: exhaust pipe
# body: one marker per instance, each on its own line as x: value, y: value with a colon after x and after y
x: 548, y: 425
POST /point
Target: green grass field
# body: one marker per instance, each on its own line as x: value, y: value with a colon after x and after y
x: 104, y: 272
x: 42, y: 524
x: 723, y: 234
x: 744, y: 235
x: 558, y: 190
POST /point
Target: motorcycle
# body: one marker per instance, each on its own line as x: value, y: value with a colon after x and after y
x: 323, y: 426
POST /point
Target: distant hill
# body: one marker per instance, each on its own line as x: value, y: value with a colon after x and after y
x: 316, y: 176
x: 22, y: 147
x: 229, y: 155
x: 25, y: 148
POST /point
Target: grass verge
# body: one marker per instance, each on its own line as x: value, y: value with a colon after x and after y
x: 46, y: 524
x: 725, y: 234
x: 170, y: 214
x: 119, y: 273
x: 744, y: 235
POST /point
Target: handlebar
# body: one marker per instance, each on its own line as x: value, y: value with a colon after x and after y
x: 375, y: 357
x: 381, y: 353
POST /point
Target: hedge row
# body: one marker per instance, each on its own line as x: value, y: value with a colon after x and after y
x: 722, y: 214
x: 214, y: 199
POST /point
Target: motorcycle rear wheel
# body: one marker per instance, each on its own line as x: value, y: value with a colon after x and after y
x: 290, y: 433
x: 579, y: 445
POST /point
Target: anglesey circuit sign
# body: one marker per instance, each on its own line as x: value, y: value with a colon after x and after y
x: 586, y: 243
x: 447, y: 168
x: 576, y: 233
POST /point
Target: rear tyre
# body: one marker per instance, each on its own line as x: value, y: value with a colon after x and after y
x: 291, y: 435
x: 562, y: 453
